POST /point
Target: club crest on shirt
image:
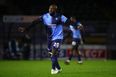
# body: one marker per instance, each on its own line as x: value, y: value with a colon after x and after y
x: 56, y: 18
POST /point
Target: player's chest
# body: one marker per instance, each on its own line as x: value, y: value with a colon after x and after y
x: 51, y: 19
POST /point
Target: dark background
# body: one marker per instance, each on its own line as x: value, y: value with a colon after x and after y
x: 97, y: 16
x: 84, y: 9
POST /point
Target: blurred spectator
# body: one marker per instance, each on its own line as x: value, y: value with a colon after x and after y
x: 11, y: 50
x: 26, y: 47
x: 6, y: 53
x: 14, y: 49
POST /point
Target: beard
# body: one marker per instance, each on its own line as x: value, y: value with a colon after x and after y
x: 52, y: 14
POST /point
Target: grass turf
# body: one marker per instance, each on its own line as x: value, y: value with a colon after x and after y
x: 90, y: 68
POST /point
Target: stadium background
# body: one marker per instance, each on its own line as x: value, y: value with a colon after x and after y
x: 99, y: 49
x: 98, y: 17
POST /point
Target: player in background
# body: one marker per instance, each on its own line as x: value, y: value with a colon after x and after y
x: 76, y: 27
x: 53, y: 22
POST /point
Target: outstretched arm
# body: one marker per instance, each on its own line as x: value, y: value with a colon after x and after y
x: 34, y: 23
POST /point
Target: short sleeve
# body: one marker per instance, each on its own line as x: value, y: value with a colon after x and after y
x: 63, y: 18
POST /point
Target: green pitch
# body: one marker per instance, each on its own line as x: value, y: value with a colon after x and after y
x: 90, y: 68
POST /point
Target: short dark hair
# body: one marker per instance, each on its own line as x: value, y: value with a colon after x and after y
x: 54, y: 5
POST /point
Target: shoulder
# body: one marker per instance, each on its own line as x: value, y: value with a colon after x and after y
x: 63, y: 17
x: 46, y: 15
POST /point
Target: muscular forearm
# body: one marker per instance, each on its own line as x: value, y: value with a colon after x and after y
x: 33, y: 24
